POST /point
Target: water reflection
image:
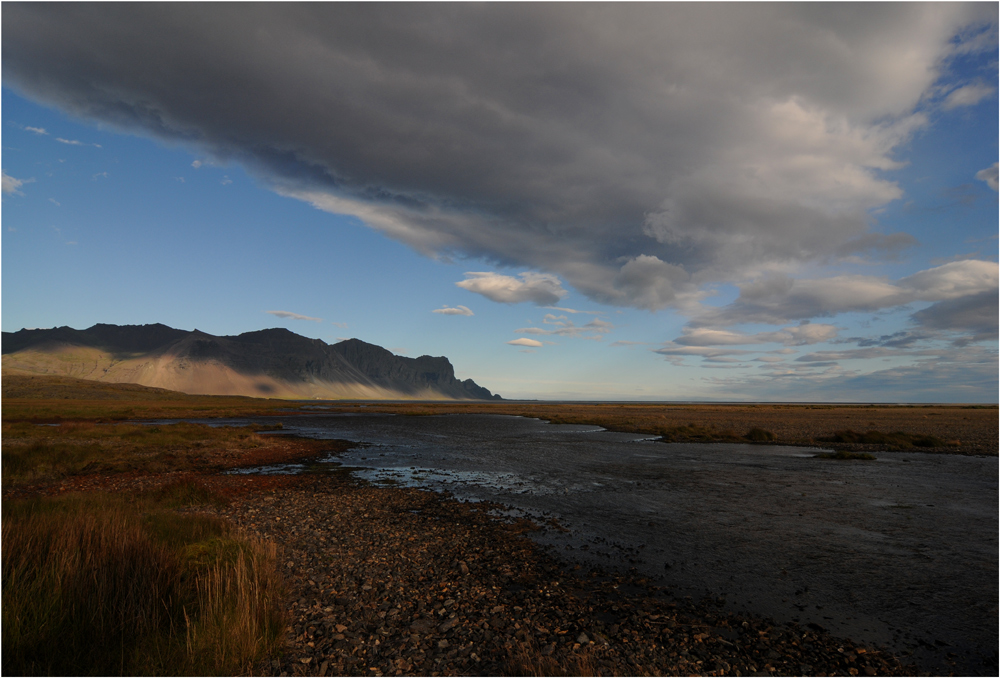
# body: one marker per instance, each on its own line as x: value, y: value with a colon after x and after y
x: 901, y: 551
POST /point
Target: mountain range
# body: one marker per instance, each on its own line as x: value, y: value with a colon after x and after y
x: 273, y: 363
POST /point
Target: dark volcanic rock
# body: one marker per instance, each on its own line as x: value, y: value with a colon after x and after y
x: 116, y: 339
x: 276, y: 353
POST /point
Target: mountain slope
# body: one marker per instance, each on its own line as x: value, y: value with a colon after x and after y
x: 268, y: 363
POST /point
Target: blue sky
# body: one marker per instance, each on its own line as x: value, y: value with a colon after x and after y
x: 645, y: 225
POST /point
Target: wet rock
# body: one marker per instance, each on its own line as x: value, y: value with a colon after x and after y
x: 391, y: 597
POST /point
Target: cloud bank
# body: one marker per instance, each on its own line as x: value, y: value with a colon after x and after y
x: 636, y: 152
x: 775, y: 299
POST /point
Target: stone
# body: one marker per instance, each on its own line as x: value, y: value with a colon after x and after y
x: 423, y: 625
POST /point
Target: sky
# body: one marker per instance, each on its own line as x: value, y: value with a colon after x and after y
x: 734, y: 202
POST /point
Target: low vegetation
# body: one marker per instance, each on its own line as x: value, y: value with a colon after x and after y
x: 36, y: 453
x: 846, y: 455
x: 890, y: 441
x: 48, y: 399
x: 956, y: 429
x: 132, y: 584
x: 137, y: 583
x: 97, y: 585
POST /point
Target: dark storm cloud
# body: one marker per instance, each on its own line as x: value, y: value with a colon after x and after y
x: 638, y: 151
x: 975, y: 315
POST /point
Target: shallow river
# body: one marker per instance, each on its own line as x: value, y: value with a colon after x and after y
x: 901, y: 551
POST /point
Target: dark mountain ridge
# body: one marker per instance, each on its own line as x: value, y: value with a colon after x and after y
x: 277, y: 354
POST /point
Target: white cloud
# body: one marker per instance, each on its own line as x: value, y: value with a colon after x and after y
x: 55, y: 202
x: 540, y: 288
x: 75, y: 142
x: 952, y: 280
x: 523, y: 341
x: 701, y: 351
x: 571, y: 310
x: 777, y: 299
x: 9, y: 184
x: 36, y: 130
x: 457, y: 310
x: 989, y: 175
x: 563, y: 326
x: 226, y: 181
x: 806, y: 333
x: 197, y: 163
x: 967, y: 96
x: 294, y: 316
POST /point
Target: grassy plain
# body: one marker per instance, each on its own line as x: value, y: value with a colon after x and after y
x: 955, y: 429
x: 110, y: 569
x: 50, y: 399
x: 132, y: 582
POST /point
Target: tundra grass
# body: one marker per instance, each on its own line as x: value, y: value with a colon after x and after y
x: 897, y: 440
x: 49, y: 398
x: 846, y: 455
x: 961, y: 429
x: 96, y: 585
x: 34, y: 453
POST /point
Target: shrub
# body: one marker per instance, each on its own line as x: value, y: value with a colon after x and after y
x: 891, y: 441
x: 759, y: 435
x: 846, y: 455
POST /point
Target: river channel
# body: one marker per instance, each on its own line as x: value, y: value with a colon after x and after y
x: 901, y: 551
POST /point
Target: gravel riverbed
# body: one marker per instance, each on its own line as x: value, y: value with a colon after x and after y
x: 402, y: 581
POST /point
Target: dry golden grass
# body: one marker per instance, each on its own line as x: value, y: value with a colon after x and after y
x: 46, y: 398
x: 97, y: 586
x: 966, y: 429
x: 33, y: 453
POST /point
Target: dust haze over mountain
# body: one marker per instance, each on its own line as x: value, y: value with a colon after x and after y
x: 267, y: 363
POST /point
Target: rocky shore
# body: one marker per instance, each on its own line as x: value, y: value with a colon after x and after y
x: 392, y: 581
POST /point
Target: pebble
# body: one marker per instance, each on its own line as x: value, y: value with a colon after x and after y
x: 401, y: 581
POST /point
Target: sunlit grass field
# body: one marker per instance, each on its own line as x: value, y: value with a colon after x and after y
x: 103, y: 583
x: 33, y: 452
